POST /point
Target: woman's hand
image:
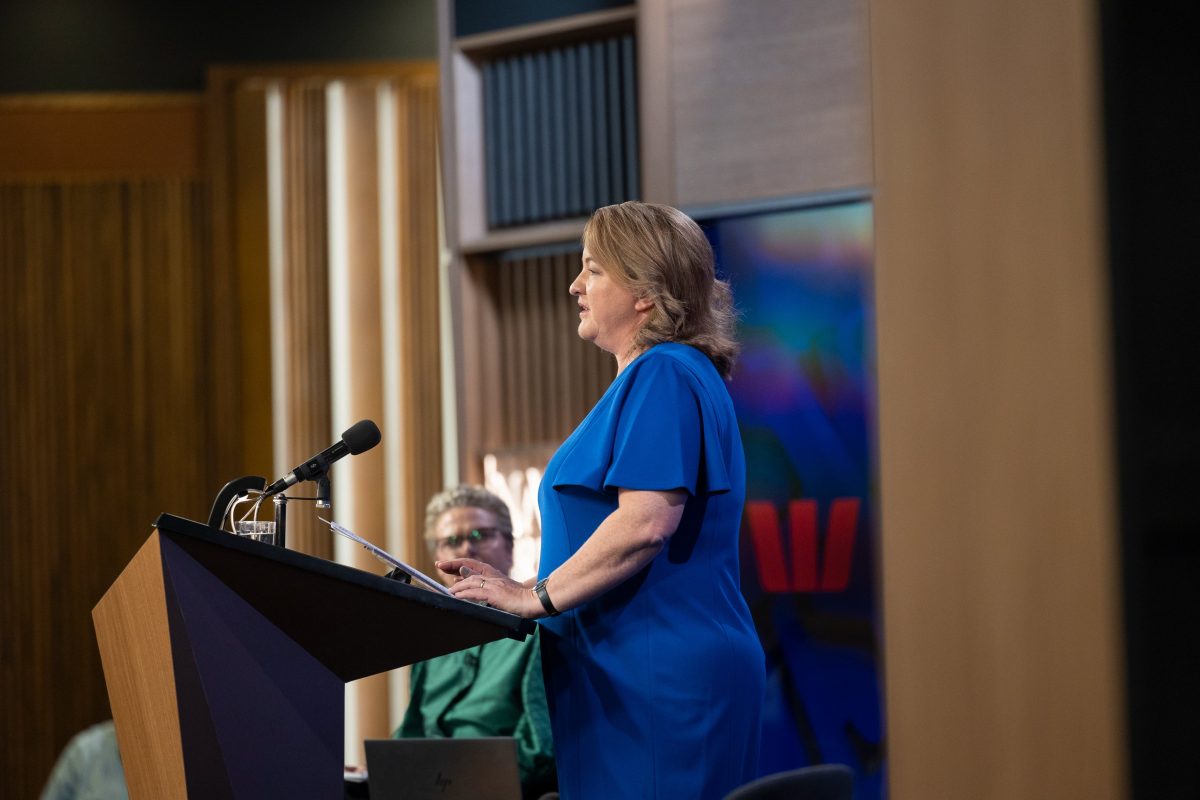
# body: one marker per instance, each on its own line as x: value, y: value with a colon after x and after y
x: 464, y: 567
x: 482, y: 582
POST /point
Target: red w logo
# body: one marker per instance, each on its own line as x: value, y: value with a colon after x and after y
x: 763, y: 520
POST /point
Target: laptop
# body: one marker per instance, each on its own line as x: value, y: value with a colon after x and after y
x: 443, y: 769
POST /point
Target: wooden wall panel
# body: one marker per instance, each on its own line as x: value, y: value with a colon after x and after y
x: 240, y: 337
x: 114, y: 135
x: 107, y: 380
x: 480, y: 367
x: 302, y: 299
x: 535, y: 379
x: 1002, y: 626
x: 417, y: 306
x: 754, y: 100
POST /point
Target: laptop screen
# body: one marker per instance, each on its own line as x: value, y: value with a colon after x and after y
x: 445, y: 769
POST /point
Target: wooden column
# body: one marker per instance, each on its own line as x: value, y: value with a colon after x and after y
x: 1002, y: 634
x: 356, y: 349
x: 417, y: 392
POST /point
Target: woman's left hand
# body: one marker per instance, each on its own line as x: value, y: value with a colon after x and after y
x: 481, y: 583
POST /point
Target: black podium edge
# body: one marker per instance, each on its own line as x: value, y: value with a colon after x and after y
x: 514, y: 627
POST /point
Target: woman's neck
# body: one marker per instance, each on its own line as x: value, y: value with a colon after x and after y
x: 630, y: 355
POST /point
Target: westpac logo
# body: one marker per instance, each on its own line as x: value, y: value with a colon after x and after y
x: 805, y: 570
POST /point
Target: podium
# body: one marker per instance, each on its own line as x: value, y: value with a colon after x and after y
x: 226, y: 660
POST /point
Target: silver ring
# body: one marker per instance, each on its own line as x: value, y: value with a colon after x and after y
x: 482, y: 581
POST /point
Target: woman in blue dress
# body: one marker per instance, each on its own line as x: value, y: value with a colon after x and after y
x: 654, y: 673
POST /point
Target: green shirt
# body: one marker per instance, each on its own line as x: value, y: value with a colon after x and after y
x: 89, y: 768
x: 494, y: 689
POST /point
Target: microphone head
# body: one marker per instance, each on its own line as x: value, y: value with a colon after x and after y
x: 361, y: 436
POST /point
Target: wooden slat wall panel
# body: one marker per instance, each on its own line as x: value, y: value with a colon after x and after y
x: 481, y: 374
x: 526, y: 379
x: 133, y: 373
x: 549, y: 377
x: 770, y: 101
x: 238, y: 97
x: 416, y: 100
x: 306, y: 295
x: 242, y: 251
x: 306, y: 244
x: 558, y: 321
x: 107, y: 384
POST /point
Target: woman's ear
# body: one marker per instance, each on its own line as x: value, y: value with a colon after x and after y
x: 643, y: 304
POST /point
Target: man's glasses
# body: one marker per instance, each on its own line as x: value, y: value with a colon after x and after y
x: 474, y: 536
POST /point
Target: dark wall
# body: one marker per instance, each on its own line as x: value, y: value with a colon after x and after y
x: 1152, y: 126
x: 481, y: 16
x: 134, y: 45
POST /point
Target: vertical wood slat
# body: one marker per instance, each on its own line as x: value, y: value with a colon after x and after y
x: 235, y: 449
x: 242, y: 189
x: 486, y: 382
x: 306, y: 296
x: 551, y: 377
x: 560, y: 326
x: 417, y: 309
x: 505, y: 302
x: 538, y: 385
x: 360, y: 482
x: 524, y: 366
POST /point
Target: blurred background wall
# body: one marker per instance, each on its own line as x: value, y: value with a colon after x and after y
x: 1030, y: 168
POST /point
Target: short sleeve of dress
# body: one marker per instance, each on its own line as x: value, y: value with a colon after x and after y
x: 666, y: 436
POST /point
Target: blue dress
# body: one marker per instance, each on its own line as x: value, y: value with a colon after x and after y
x: 655, y: 688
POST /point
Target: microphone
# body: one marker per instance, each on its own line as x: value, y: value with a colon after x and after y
x: 358, y: 438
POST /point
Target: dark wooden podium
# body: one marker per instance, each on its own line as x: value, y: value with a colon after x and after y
x: 226, y: 660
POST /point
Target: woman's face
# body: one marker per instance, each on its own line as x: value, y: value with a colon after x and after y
x: 609, y: 314
x: 470, y: 532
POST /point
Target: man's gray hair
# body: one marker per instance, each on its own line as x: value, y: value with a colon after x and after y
x: 467, y: 496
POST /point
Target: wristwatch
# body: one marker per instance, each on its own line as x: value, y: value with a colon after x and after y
x: 539, y: 589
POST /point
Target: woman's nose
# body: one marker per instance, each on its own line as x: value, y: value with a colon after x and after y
x: 576, y: 288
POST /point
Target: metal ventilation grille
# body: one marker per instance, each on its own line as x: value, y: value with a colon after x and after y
x: 560, y: 131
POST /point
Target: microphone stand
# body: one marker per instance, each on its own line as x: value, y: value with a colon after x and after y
x: 280, y: 501
x: 322, y: 501
x: 241, y: 487
x: 323, y: 492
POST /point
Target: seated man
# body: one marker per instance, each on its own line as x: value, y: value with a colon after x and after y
x: 494, y: 689
x: 89, y: 768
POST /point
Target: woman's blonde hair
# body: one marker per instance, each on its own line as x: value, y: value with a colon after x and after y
x: 660, y: 254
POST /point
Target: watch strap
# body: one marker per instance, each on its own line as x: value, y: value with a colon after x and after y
x: 539, y: 589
